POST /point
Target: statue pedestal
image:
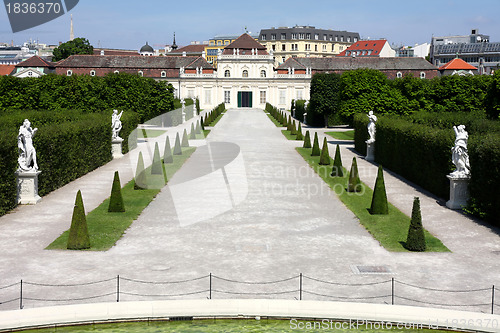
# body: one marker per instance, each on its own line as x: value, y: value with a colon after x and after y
x: 459, y: 192
x: 116, y: 147
x: 27, y: 187
x: 370, y: 152
x: 183, y: 117
x: 305, y: 118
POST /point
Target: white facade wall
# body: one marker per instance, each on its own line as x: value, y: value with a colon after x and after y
x: 387, y: 51
x: 213, y: 89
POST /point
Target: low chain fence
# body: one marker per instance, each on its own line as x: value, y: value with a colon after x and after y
x: 299, y: 287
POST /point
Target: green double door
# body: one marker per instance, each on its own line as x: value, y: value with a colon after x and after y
x: 244, y: 99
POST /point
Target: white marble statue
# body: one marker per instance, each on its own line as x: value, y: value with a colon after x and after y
x: 116, y: 124
x: 195, y: 112
x: 27, y: 152
x: 371, y: 127
x: 459, y: 153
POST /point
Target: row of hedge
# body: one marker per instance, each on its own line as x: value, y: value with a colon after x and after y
x: 147, y: 97
x: 68, y: 145
x: 339, y: 97
x: 421, y: 153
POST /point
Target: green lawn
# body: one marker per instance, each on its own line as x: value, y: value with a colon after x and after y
x: 278, y: 124
x: 149, y: 133
x: 390, y: 230
x: 105, y: 229
x: 213, y: 123
x: 347, y: 135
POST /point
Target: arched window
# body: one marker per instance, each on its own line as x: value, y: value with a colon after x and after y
x: 92, y: 73
x: 141, y: 73
x: 163, y: 74
x: 422, y: 75
x: 245, y: 73
x: 69, y: 72
x: 116, y: 72
x: 227, y: 73
x: 262, y: 73
x: 399, y: 75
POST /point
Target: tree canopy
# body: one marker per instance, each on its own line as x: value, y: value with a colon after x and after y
x: 75, y: 46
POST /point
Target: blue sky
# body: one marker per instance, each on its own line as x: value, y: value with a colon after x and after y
x: 129, y: 24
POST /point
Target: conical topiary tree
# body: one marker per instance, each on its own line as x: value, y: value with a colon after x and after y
x: 294, y: 129
x: 315, y: 150
x: 156, y: 166
x: 198, y: 128
x: 78, y: 238
x: 338, y: 169
x: 379, y: 199
x: 324, y: 159
x: 140, y: 174
x: 307, y: 140
x: 300, y: 136
x: 416, y: 237
x: 167, y: 152
x: 185, y: 141
x: 116, y: 204
x: 354, y: 184
x: 192, y: 135
x: 177, y: 145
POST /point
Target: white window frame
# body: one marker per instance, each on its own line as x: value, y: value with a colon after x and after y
x: 208, y: 96
x: 422, y: 75
x: 227, y: 73
x: 163, y: 74
x: 263, y: 97
x: 399, y: 75
x: 282, y: 100
x: 263, y: 73
x: 141, y: 73
x: 92, y: 73
x: 69, y: 72
x: 227, y: 96
x: 117, y: 72
x: 244, y: 73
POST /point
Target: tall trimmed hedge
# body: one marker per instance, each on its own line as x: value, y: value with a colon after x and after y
x: 422, y: 154
x: 122, y: 91
x: 65, y: 151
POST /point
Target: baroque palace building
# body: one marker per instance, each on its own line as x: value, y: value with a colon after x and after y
x: 246, y: 75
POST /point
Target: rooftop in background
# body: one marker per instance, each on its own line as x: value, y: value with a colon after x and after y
x: 306, y: 32
x: 457, y: 64
x: 243, y: 44
x: 6, y: 69
x: 103, y: 51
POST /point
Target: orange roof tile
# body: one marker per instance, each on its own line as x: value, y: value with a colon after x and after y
x: 366, y: 45
x: 6, y: 69
x: 457, y: 64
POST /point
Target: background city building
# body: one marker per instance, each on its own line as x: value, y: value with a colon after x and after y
x: 369, y: 48
x: 218, y: 43
x: 305, y: 41
x: 475, y: 49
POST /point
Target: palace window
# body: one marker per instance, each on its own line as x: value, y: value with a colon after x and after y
x: 349, y: 39
x: 316, y: 36
x: 92, y: 73
x: 219, y: 42
x: 324, y: 37
x: 263, y: 97
x: 324, y: 48
x: 208, y: 96
x: 163, y: 74
x: 283, y: 59
x: 301, y: 35
x: 299, y: 94
x: 355, y: 39
x: 336, y: 38
x: 316, y: 48
x: 69, y: 72
x: 227, y: 73
x: 399, y: 75
x: 308, y: 36
x: 274, y: 47
x: 295, y: 47
x: 283, y: 47
x: 141, y: 73
x: 245, y: 73
x: 282, y: 96
x: 308, y: 47
x: 116, y: 72
x: 262, y: 73
x: 341, y: 38
x: 227, y: 96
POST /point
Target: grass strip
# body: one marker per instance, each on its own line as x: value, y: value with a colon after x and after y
x: 288, y: 134
x: 346, y: 135
x: 390, y: 230
x: 277, y: 123
x: 149, y: 133
x: 105, y: 229
x: 213, y: 123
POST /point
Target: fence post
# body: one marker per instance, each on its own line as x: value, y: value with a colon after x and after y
x: 392, y: 293
x: 210, y: 286
x: 300, y: 287
x: 21, y: 296
x: 493, y: 299
x: 118, y: 288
